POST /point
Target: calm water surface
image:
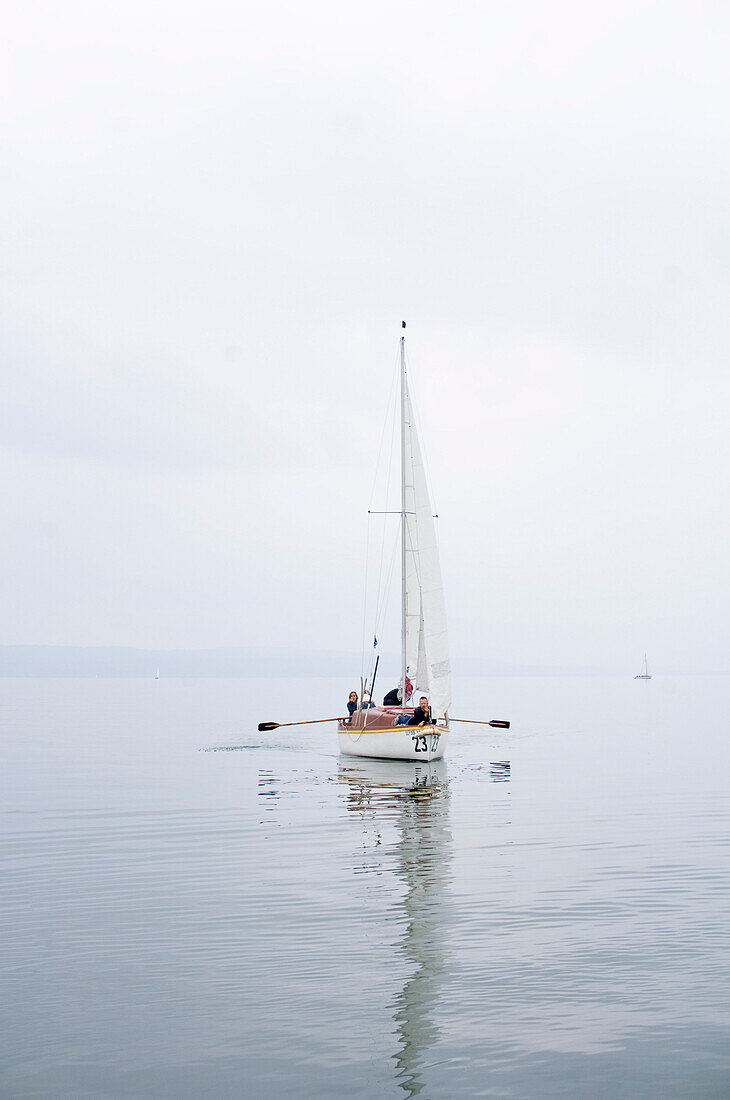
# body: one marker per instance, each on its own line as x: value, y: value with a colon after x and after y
x: 191, y: 908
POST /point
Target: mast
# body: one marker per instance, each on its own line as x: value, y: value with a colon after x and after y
x: 403, y: 511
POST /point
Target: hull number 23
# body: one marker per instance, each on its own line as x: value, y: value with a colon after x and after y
x: 421, y: 743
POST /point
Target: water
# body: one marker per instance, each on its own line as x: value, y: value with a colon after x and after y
x: 191, y: 908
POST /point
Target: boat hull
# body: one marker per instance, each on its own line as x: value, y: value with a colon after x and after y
x: 371, y: 734
x: 409, y: 745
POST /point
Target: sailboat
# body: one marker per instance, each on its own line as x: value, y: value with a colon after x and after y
x: 644, y: 674
x: 383, y: 732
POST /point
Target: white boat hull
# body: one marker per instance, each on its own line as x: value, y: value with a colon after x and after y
x: 411, y: 743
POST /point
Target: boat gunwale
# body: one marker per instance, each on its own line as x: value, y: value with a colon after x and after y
x: 345, y: 726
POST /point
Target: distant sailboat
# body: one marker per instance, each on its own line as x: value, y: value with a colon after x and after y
x: 644, y: 674
x: 157, y: 674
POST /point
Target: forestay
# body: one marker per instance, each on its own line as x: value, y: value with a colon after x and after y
x: 427, y: 643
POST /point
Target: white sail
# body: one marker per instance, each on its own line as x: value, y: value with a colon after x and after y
x: 644, y: 667
x: 427, y: 643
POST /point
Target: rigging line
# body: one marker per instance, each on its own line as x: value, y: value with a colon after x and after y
x: 412, y: 541
x: 389, y: 414
x: 380, y: 612
x: 381, y: 608
x: 416, y: 557
x: 387, y: 494
x: 365, y: 598
x: 381, y: 621
x: 424, y: 453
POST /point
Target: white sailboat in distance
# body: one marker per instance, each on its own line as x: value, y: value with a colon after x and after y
x: 644, y: 674
x: 383, y: 732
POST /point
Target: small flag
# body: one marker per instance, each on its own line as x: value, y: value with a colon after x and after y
x: 375, y: 641
x: 409, y: 688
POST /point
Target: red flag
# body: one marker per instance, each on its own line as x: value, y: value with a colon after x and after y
x: 409, y: 688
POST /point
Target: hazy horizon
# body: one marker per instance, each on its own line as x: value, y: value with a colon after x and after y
x: 215, y: 219
x: 283, y: 662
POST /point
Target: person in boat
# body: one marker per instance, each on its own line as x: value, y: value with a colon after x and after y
x: 394, y: 698
x: 367, y: 701
x: 422, y: 714
x: 352, y: 703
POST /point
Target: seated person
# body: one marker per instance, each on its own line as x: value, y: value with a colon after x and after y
x: 393, y: 698
x: 366, y: 701
x: 352, y: 703
x: 422, y: 714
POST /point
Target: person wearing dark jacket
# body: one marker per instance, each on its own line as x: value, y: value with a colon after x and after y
x: 352, y: 703
x: 422, y: 714
x: 392, y: 699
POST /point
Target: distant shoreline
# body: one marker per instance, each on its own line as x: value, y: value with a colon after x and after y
x: 127, y: 662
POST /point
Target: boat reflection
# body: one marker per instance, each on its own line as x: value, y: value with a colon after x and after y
x: 415, y: 799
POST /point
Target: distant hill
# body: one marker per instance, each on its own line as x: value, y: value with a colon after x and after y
x: 123, y: 661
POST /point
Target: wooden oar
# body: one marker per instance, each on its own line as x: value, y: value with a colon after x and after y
x: 481, y: 722
x: 309, y: 722
x: 264, y: 726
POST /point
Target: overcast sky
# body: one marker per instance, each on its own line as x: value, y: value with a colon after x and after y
x: 214, y: 218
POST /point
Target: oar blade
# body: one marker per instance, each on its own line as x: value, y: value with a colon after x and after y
x: 263, y: 726
x: 499, y: 724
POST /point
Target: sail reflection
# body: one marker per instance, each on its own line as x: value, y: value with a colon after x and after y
x: 414, y: 798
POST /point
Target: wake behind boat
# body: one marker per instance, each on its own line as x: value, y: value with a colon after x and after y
x: 383, y: 732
